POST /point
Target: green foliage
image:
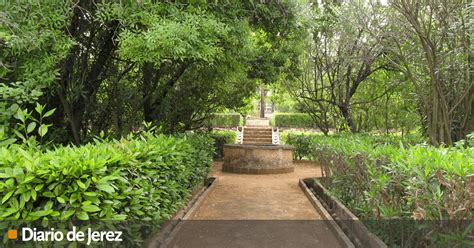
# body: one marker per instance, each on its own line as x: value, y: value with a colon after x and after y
x: 28, y: 124
x: 220, y: 138
x: 396, y: 110
x: 284, y: 102
x: 302, y: 144
x: 341, y: 53
x: 28, y: 128
x: 146, y: 177
x: 108, y: 66
x: 225, y: 120
x: 184, y: 35
x: 280, y: 30
x: 294, y: 120
x: 380, y: 179
x: 470, y: 139
x: 430, y: 43
x: 32, y: 45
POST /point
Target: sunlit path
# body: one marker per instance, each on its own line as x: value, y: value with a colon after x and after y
x: 257, y: 211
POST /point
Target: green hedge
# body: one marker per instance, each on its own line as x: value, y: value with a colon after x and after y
x: 302, y: 144
x: 148, y: 177
x: 295, y: 120
x: 382, y: 181
x: 220, y: 138
x: 225, y: 120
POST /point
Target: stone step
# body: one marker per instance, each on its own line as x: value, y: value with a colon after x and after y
x: 269, y: 131
x: 257, y: 142
x: 267, y: 136
x: 250, y: 129
x: 258, y: 134
x: 267, y: 141
x: 258, y: 128
x: 257, y: 137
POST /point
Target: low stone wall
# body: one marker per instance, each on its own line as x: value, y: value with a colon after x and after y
x: 258, y: 159
x: 169, y: 228
x: 349, y: 223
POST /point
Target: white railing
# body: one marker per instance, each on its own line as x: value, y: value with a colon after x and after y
x: 240, y: 135
x: 275, y: 136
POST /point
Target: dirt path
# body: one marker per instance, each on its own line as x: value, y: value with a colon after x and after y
x: 259, y: 197
x: 257, y: 211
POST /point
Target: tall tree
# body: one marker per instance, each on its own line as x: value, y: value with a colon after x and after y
x: 32, y: 44
x: 431, y: 43
x: 344, y: 51
x: 108, y: 65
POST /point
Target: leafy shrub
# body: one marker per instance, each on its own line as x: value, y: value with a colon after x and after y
x: 148, y: 177
x: 470, y: 139
x: 220, y: 138
x: 301, y: 142
x: 381, y: 181
x: 225, y: 120
x: 28, y: 128
x: 295, y: 120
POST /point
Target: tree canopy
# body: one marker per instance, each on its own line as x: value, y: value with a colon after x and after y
x: 401, y: 65
x: 107, y: 66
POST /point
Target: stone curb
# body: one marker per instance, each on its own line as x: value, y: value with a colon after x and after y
x: 171, y: 227
x: 341, y: 236
x: 345, y: 219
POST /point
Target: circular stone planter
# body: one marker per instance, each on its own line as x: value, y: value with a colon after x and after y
x: 258, y: 159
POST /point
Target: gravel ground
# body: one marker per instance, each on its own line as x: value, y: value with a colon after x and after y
x: 257, y: 211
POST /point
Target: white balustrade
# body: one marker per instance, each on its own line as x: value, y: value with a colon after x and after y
x: 275, y: 136
x: 240, y: 135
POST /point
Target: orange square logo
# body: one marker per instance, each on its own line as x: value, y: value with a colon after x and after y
x: 12, y: 234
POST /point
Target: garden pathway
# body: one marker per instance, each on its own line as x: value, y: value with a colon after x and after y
x: 256, y: 211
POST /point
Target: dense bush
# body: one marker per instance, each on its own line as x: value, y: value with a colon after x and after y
x: 225, y: 120
x: 295, y: 120
x: 220, y: 138
x: 148, y: 177
x: 301, y: 142
x: 381, y: 181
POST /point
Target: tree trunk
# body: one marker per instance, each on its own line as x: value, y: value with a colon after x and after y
x: 346, y: 113
x: 387, y: 126
x: 262, y: 102
x: 147, y: 91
